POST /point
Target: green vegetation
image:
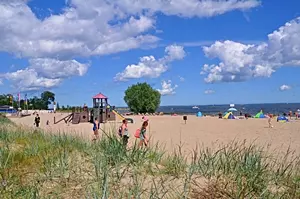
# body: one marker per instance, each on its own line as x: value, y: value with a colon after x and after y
x: 37, y: 165
x: 142, y: 98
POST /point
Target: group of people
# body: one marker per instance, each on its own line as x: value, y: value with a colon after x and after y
x: 123, y: 132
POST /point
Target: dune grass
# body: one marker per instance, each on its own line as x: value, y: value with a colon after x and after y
x: 38, y: 165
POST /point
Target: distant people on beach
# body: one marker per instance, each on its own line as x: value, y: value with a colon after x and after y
x: 290, y: 115
x: 270, y: 120
x: 247, y: 115
x: 124, y: 132
x: 220, y: 115
x: 296, y: 115
x: 96, y: 127
x: 37, y: 120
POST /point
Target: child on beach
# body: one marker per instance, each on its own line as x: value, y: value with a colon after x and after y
x: 37, y: 120
x: 143, y: 139
x: 270, y: 121
x: 124, y: 132
x: 144, y: 118
x: 96, y: 127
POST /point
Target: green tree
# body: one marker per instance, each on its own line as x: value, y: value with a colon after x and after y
x: 142, y: 98
x: 5, y: 100
x: 47, y: 98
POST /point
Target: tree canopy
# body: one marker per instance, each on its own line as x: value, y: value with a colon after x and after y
x: 142, y: 98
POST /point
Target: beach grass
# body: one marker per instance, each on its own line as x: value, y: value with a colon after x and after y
x: 34, y: 164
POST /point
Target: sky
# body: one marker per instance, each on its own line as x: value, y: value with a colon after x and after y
x: 193, y: 52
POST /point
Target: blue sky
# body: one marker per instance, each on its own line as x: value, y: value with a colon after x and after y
x: 215, y: 53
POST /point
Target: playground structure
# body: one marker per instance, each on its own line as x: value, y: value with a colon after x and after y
x: 78, y: 115
x: 104, y: 112
x: 101, y: 111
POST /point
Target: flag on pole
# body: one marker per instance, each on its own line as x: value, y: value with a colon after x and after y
x: 19, y: 95
x: 25, y: 99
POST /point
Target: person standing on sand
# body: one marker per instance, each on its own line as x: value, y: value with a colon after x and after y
x: 37, y: 120
x: 96, y: 128
x: 220, y: 115
x: 143, y: 138
x: 124, y: 132
x: 270, y: 121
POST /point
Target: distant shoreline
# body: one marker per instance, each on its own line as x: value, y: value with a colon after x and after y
x: 212, y: 110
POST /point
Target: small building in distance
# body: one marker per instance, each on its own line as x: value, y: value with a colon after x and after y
x: 7, y: 109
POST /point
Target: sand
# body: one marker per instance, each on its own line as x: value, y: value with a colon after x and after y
x: 171, y: 131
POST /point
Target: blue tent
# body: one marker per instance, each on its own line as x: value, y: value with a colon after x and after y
x: 282, y: 119
x: 199, y: 114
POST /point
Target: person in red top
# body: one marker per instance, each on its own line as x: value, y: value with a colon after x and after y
x: 270, y: 120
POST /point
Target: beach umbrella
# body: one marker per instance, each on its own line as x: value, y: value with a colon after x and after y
x: 232, y: 110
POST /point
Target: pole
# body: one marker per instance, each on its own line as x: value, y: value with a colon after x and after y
x: 19, y: 100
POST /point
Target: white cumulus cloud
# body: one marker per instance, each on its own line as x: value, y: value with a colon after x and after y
x: 29, y: 80
x: 240, y: 62
x: 45, y: 73
x: 92, y: 28
x: 285, y: 87
x: 167, y: 88
x: 187, y: 8
x: 151, y: 67
x: 84, y: 28
x: 1, y: 82
x: 53, y: 68
x: 209, y: 91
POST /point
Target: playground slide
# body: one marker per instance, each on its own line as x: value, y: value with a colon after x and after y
x: 121, y: 116
x: 118, y: 114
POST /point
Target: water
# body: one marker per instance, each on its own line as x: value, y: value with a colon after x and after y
x: 215, y: 109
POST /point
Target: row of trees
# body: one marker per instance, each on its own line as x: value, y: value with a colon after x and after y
x: 140, y: 98
x: 35, y: 102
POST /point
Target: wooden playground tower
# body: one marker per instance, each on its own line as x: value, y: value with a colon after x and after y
x: 101, y: 109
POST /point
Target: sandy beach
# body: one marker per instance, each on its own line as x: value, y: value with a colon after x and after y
x: 171, y: 131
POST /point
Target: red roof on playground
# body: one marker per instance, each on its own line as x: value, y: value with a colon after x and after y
x: 100, y: 96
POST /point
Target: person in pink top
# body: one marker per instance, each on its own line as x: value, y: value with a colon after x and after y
x: 145, y: 119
